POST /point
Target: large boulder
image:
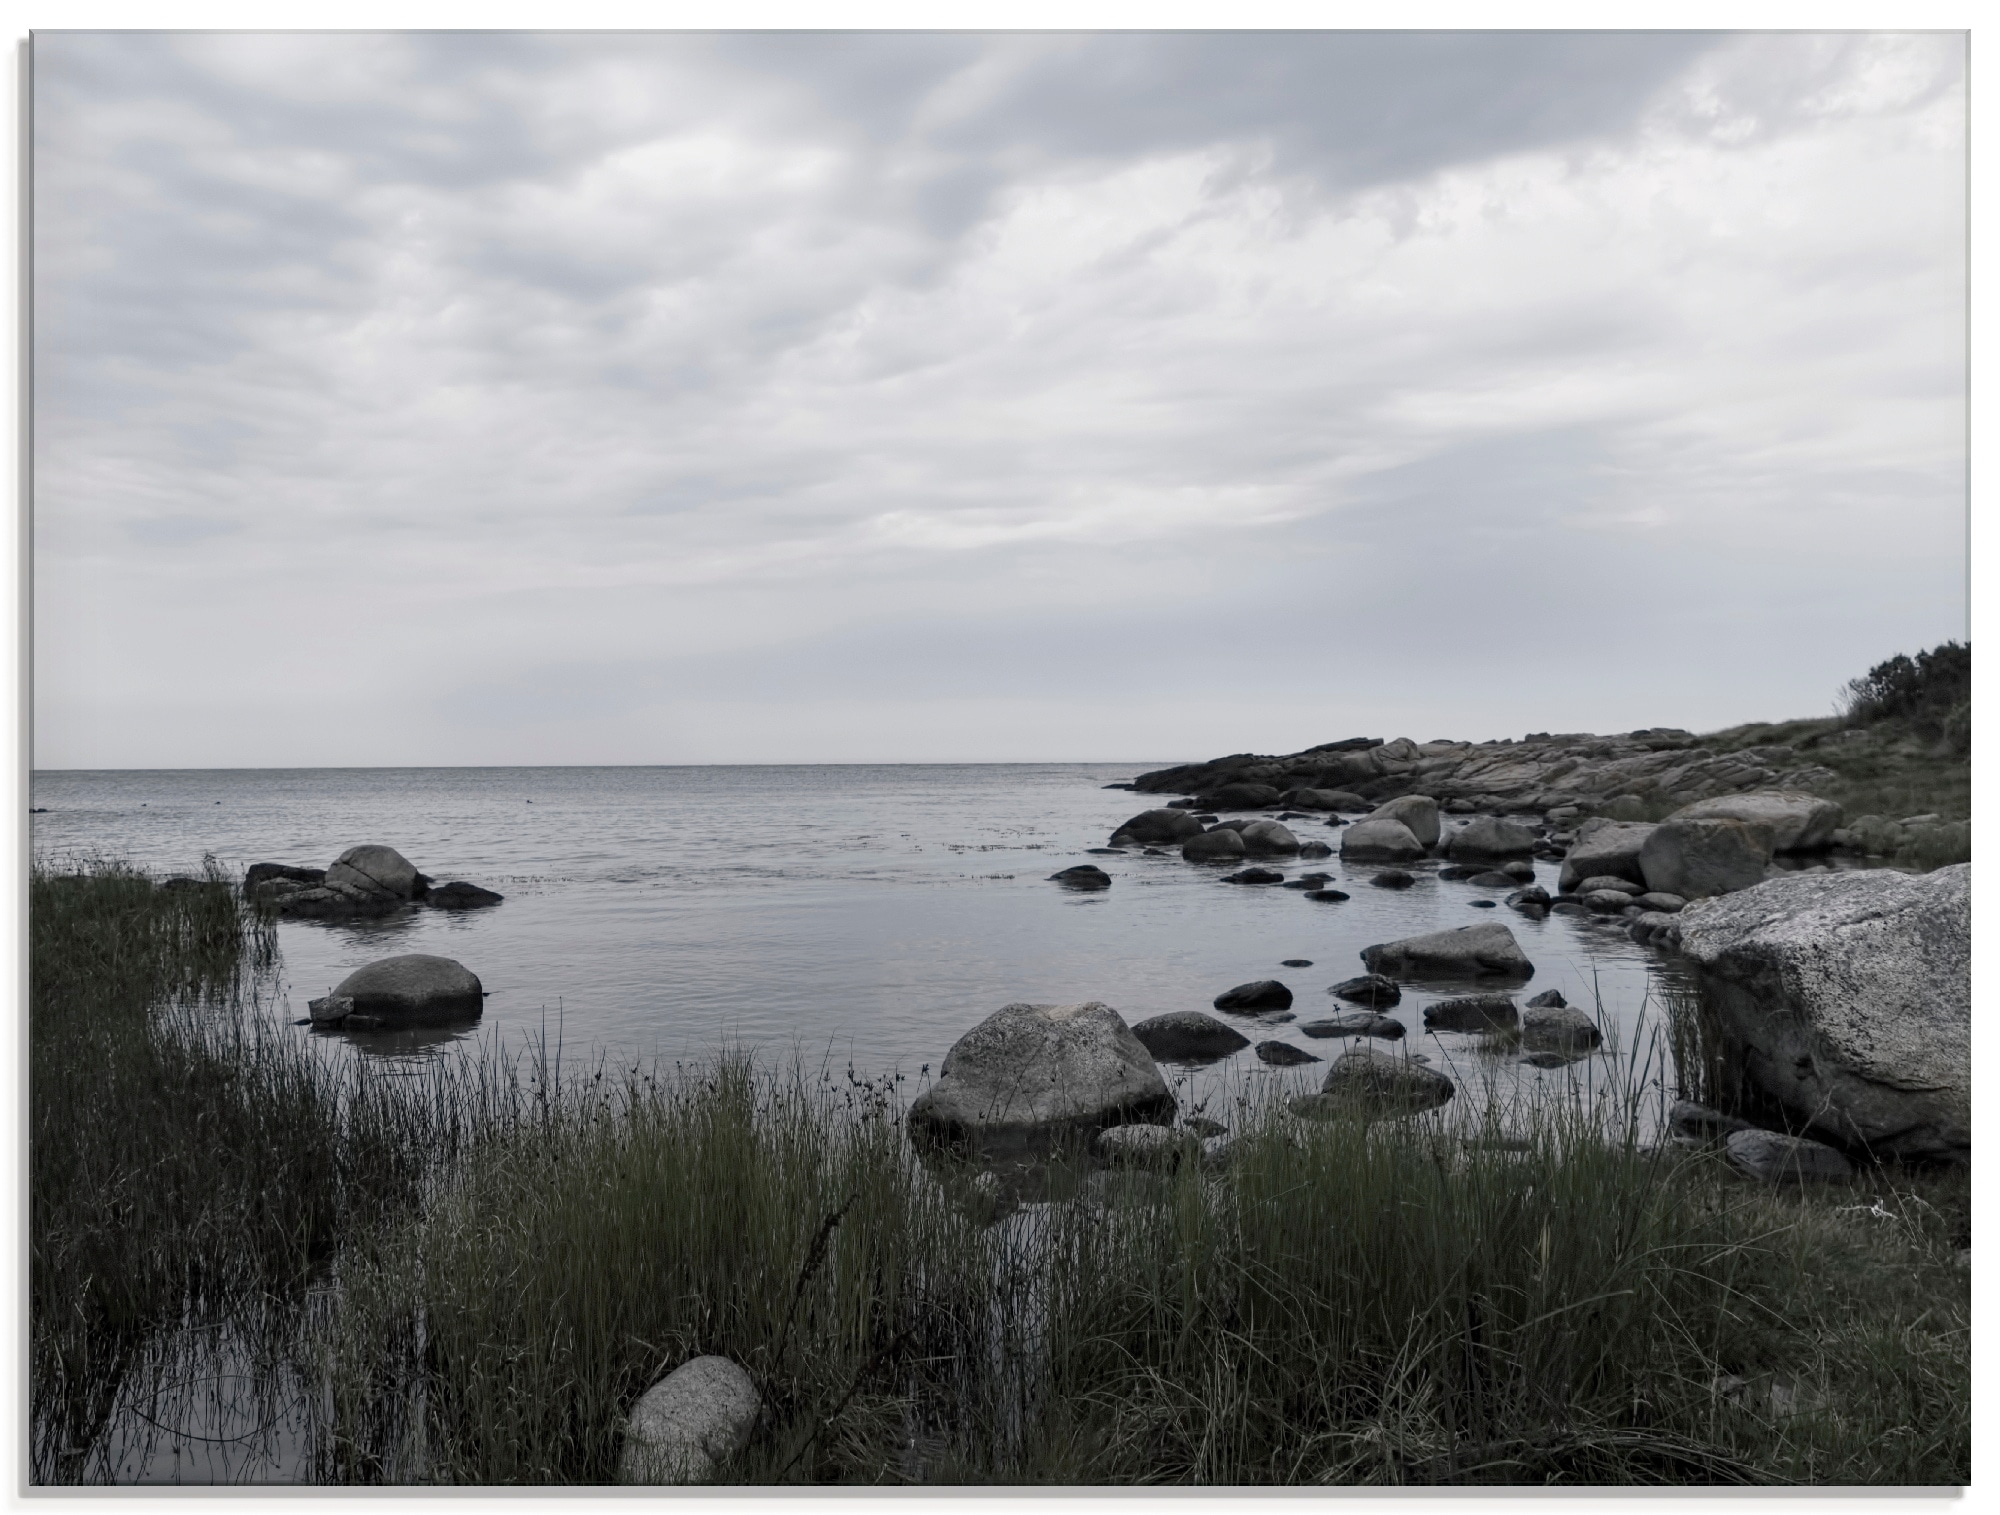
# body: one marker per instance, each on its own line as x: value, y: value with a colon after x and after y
x: 261, y: 873
x: 1477, y: 1012
x: 1698, y: 858
x: 1374, y: 1084
x: 1029, y: 1073
x: 382, y: 870
x: 1487, y: 950
x: 413, y: 990
x: 1380, y: 841
x: 1417, y: 811
x: 1846, y: 998
x: 1604, y: 848
x: 1323, y: 799
x: 1797, y: 822
x: 1259, y: 994
x: 688, y: 1423
x: 1488, y: 836
x: 1223, y: 844
x: 1240, y: 797
x: 1268, y: 839
x: 1154, y: 827
x: 1188, y: 1036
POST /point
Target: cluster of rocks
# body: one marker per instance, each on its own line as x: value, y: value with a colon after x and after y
x: 362, y: 882
x: 1538, y: 774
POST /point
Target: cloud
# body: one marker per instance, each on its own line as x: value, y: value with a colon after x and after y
x: 458, y: 365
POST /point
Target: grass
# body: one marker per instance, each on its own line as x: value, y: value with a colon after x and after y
x: 468, y: 1277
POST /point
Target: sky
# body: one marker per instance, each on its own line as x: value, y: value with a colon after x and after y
x: 429, y: 398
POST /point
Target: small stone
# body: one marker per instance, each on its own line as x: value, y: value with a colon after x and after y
x: 1369, y: 989
x: 1254, y: 876
x: 1548, y: 999
x: 1296, y: 962
x: 1283, y: 1055
x: 1393, y: 878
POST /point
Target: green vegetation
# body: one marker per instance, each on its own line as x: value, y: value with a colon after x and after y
x: 467, y: 1277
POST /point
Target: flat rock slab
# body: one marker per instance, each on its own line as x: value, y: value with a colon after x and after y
x: 1359, y: 1023
x: 686, y: 1425
x: 1487, y: 950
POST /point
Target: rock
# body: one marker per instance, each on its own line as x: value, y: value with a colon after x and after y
x: 414, y: 989
x: 1558, y: 1028
x: 1296, y: 962
x: 1479, y: 1012
x: 1520, y: 870
x: 1157, y: 826
x: 1283, y: 1054
x: 1490, y: 837
x: 1308, y: 881
x: 1359, y: 1023
x: 689, y: 1423
x: 1028, y: 1073
x: 1797, y: 822
x: 1105, y: 851
x: 1144, y: 1146
x: 1370, y: 989
x: 1263, y: 994
x: 1269, y: 839
x: 1548, y: 999
x: 1327, y: 896
x: 1774, y: 1158
x: 1690, y: 1122
x: 1606, y: 901
x: 1483, y: 951
x: 1669, y: 904
x: 1393, y: 878
x: 1655, y: 928
x: 1876, y: 834
x: 460, y: 896
x: 1254, y: 876
x: 330, y: 1010
x: 1375, y: 1084
x: 1604, y: 848
x: 1324, y: 799
x: 1202, y: 1126
x: 1696, y: 859
x: 1459, y: 873
x: 1188, y: 1036
x: 1230, y: 825
x: 262, y: 872
x: 1482, y: 905
x: 1605, y: 881
x: 1623, y: 807
x: 1082, y: 876
x: 1533, y: 898
x: 1565, y: 907
x: 1847, y: 999
x: 1548, y: 1059
x: 1213, y: 846
x: 1380, y: 841
x: 1240, y: 797
x: 1315, y: 849
x: 1494, y: 880
x: 381, y: 870
x: 1152, y: 852
x: 1417, y: 812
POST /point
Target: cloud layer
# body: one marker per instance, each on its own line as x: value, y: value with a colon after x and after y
x: 453, y: 399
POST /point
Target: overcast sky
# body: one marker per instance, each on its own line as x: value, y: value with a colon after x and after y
x: 441, y: 399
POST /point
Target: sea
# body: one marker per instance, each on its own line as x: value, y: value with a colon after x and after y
x: 861, y: 916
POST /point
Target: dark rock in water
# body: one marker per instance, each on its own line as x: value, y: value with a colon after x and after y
x: 1534, y: 898
x: 1143, y: 1146
x: 263, y: 872
x: 1308, y: 881
x: 1699, y: 858
x: 1334, y: 820
x: 1606, y: 881
x: 1548, y: 999
x: 293, y: 900
x: 1118, y: 786
x: 1152, y: 852
x: 378, y: 869
x: 1369, y: 989
x: 1517, y: 869
x: 1268, y: 839
x: 1263, y: 994
x: 1494, y: 880
x: 1359, y: 1023
x: 460, y: 896
x: 1550, y: 1059
x: 1774, y: 1158
x: 1188, y: 1036
x: 1082, y: 876
x: 1558, y: 1028
x: 1329, y: 896
x: 1479, y: 1012
x: 1482, y: 951
x: 1213, y: 846
x: 1605, y: 901
x: 1665, y: 904
x: 1190, y: 804
x: 1028, y: 1073
x: 1254, y: 876
x: 1283, y: 1055
x: 1567, y: 907
x: 1373, y: 1085
x: 1482, y: 904
x: 1240, y: 797
x: 182, y: 881
x: 1393, y: 878
x: 1458, y: 873
x: 1206, y: 820
x: 1315, y: 849
x: 414, y: 989
x: 1296, y: 962
x: 1604, y: 847
x: 1168, y: 825
x: 1105, y: 851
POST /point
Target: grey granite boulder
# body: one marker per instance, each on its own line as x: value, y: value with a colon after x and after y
x: 1487, y: 950
x: 1369, y: 989
x: 1262, y: 994
x: 1604, y: 847
x: 1699, y: 858
x: 686, y: 1425
x: 1156, y: 826
x: 1220, y: 845
x: 1488, y: 836
x: 1558, y: 1028
x: 1419, y: 812
x: 1775, y: 1158
x: 1796, y: 822
x: 1847, y: 1000
x: 1268, y: 839
x: 383, y: 870
x: 1374, y: 1084
x: 1380, y: 841
x: 1478, y: 1012
x: 1029, y: 1073
x: 1188, y: 1036
x: 412, y: 990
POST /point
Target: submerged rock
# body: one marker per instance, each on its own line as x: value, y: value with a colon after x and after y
x: 1327, y: 896
x: 1358, y: 1023
x: 1374, y: 1085
x: 1393, y: 878
x: 1484, y: 951
x: 1188, y: 1036
x: 1254, y: 876
x: 1558, y: 1028
x: 412, y: 990
x: 261, y: 873
x: 460, y: 896
x: 1283, y: 1054
x: 1479, y: 1012
x: 1082, y: 876
x: 1262, y: 994
x: 689, y: 1423
x: 1369, y: 989
x: 1028, y: 1073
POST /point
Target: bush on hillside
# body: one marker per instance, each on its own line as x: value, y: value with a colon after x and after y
x: 1932, y: 691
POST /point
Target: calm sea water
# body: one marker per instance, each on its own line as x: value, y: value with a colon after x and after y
x: 868, y: 914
